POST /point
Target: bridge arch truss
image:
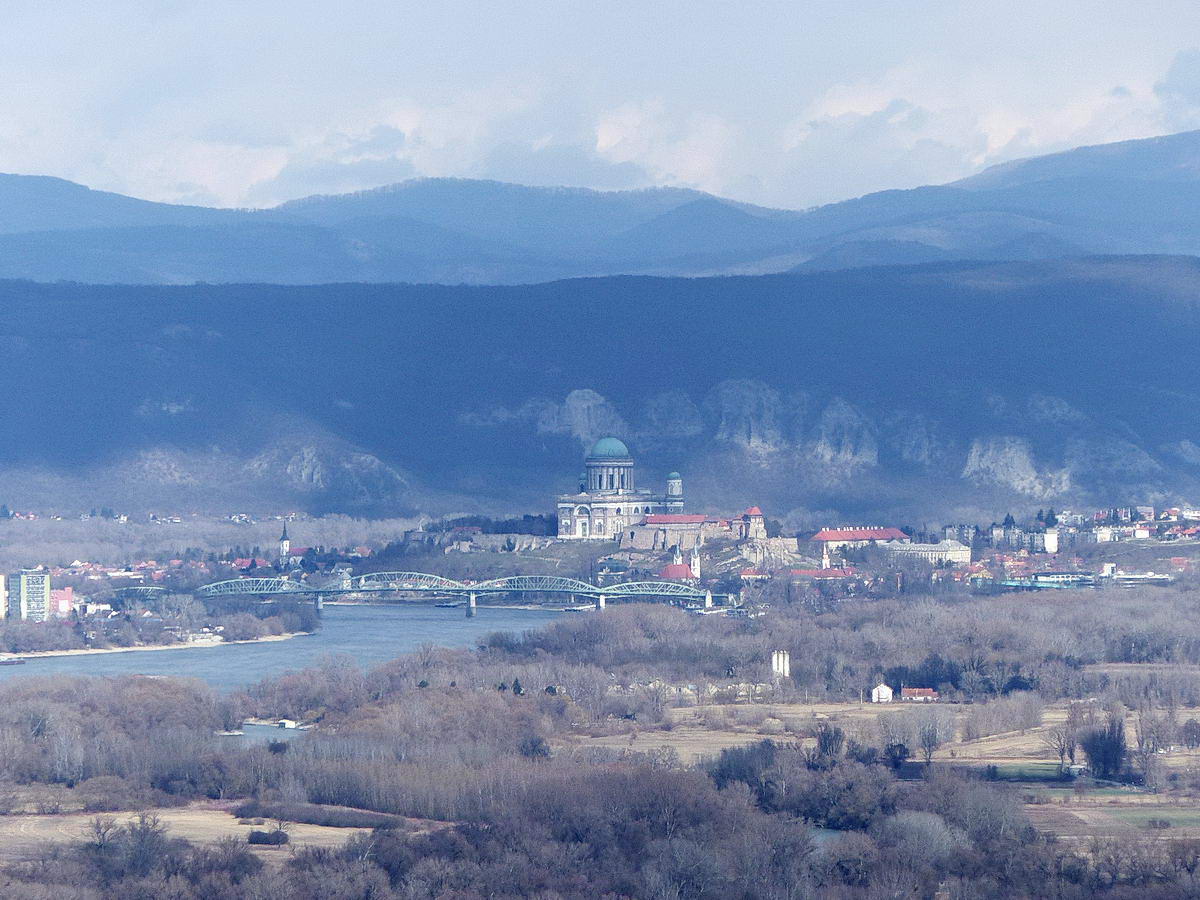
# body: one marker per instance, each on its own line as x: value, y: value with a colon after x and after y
x: 654, y: 589
x: 421, y: 582
x: 406, y: 581
x: 254, y: 586
x: 534, y: 584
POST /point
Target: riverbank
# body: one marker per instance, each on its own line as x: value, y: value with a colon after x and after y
x: 190, y: 645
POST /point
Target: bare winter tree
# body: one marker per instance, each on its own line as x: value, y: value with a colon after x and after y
x: 1061, y: 742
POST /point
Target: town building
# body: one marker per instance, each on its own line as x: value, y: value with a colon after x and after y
x: 881, y: 693
x: 918, y: 694
x: 662, y: 531
x: 29, y: 595
x: 751, y: 525
x: 608, y: 499
x: 952, y: 552
x: 678, y: 570
x: 831, y: 539
x: 1050, y: 542
x: 62, y: 602
x: 826, y: 573
x: 781, y: 663
x: 962, y: 532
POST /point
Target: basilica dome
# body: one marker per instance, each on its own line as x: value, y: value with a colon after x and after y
x: 609, y: 448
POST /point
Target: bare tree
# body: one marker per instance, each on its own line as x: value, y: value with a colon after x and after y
x: 1149, y: 734
x: 934, y: 727
x: 1061, y: 742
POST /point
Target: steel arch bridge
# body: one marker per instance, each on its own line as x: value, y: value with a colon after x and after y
x: 535, y: 584
x: 424, y: 583
x: 140, y: 591
x: 404, y: 581
x: 655, y: 589
x: 254, y: 586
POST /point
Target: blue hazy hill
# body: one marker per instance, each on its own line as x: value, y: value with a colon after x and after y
x: 1133, y: 197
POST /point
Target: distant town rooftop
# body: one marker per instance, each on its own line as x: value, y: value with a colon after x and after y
x: 860, y: 534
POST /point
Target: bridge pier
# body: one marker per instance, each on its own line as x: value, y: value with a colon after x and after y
x: 470, y: 606
x: 599, y: 601
x: 708, y: 599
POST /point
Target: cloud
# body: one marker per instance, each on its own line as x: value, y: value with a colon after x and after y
x: 1179, y: 91
x: 150, y: 408
x: 692, y: 148
x: 236, y: 104
x: 338, y: 165
x: 555, y: 164
x: 486, y: 134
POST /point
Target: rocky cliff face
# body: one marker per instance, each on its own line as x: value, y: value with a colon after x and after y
x: 748, y: 441
x: 326, y: 475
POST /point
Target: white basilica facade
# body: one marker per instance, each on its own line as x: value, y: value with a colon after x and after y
x: 608, y: 499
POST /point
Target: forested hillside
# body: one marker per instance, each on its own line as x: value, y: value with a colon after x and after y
x: 926, y: 391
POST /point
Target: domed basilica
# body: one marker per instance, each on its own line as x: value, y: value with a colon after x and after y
x: 608, y: 500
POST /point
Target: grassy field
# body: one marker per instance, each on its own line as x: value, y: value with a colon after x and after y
x: 22, y: 835
x: 1081, y: 821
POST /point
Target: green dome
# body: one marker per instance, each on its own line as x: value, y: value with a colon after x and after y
x: 674, y: 476
x: 608, y: 448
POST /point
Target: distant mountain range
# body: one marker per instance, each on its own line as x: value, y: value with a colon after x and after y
x: 949, y: 390
x: 1136, y: 197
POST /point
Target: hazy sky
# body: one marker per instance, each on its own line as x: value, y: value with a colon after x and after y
x: 784, y: 104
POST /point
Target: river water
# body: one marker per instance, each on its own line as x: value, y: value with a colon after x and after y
x: 369, y: 634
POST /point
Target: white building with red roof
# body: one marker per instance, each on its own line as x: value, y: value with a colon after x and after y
x: 829, y: 539
x: 752, y: 525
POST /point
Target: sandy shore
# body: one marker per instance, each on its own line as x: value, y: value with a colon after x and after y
x: 90, y: 651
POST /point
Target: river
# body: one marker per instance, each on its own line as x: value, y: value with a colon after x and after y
x: 369, y: 634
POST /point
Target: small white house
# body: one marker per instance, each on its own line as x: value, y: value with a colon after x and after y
x: 881, y: 693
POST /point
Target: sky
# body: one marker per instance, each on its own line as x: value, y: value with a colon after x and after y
x: 787, y: 104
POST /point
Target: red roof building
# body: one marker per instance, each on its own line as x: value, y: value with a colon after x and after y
x: 860, y: 534
x: 835, y: 572
x: 677, y: 572
x: 921, y: 695
x: 675, y: 519
x: 833, y: 538
x: 243, y: 562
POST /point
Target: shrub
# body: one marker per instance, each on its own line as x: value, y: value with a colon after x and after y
x: 534, y: 747
x: 269, y: 838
